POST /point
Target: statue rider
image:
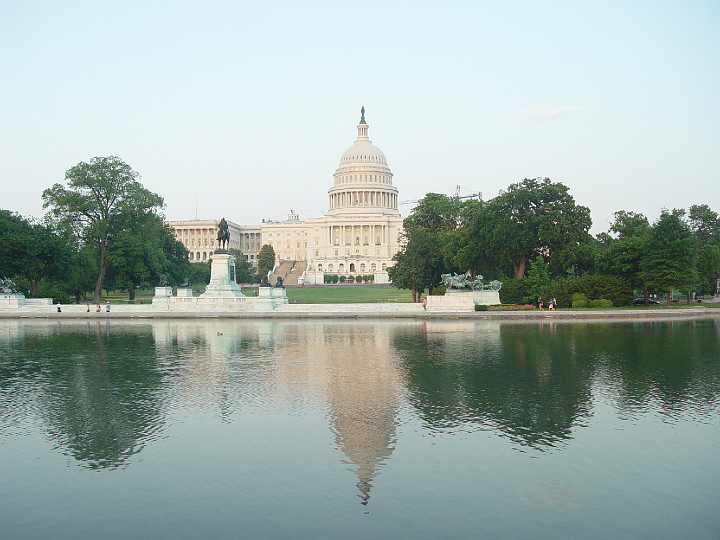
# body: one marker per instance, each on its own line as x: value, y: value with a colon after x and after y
x: 223, y: 236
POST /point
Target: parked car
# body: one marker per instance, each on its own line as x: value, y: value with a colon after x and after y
x: 641, y: 301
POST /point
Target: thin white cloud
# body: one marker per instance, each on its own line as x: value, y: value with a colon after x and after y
x: 545, y: 113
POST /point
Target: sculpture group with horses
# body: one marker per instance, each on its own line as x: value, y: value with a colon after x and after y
x: 465, y: 282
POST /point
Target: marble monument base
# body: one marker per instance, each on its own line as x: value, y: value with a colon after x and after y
x: 222, y: 278
x: 462, y: 300
x: 12, y: 300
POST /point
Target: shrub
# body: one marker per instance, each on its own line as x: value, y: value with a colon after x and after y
x: 515, y: 291
x: 511, y: 307
x: 580, y: 303
x: 596, y: 287
x: 438, y: 291
x: 482, y: 307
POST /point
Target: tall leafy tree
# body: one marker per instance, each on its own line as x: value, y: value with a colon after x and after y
x: 705, y: 224
x: 538, y: 276
x: 144, y: 251
x: 426, y: 231
x: 535, y: 216
x: 199, y: 273
x: 101, y: 200
x: 244, y: 271
x: 265, y: 261
x: 625, y: 247
x: 671, y: 254
x: 33, y: 251
x: 416, y: 263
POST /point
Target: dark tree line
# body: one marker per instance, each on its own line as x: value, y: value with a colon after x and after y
x: 104, y: 230
x: 534, y: 234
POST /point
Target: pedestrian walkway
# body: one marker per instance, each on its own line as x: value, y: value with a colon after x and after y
x: 347, y: 311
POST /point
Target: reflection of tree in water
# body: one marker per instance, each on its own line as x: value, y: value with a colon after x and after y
x: 538, y: 384
x: 673, y: 364
x: 528, y: 387
x: 97, y: 389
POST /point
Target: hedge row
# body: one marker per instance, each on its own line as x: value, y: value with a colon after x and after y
x: 597, y: 287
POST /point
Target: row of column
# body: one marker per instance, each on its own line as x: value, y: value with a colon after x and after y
x: 357, y: 235
x: 353, y: 178
x: 348, y: 199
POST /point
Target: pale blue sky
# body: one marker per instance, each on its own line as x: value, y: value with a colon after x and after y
x: 249, y: 105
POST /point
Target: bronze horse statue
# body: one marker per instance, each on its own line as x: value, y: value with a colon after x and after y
x: 223, y: 236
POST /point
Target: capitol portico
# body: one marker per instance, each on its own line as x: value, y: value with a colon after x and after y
x: 358, y: 235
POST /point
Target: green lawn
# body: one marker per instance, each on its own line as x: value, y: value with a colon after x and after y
x: 344, y: 294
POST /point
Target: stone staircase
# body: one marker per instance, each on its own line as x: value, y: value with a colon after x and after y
x: 289, y: 271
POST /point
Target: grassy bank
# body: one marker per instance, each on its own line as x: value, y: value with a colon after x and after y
x: 343, y: 294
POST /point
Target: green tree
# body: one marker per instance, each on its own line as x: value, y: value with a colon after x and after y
x: 416, y: 262
x: 144, y: 251
x: 466, y: 247
x: 532, y: 217
x: 265, y: 261
x: 623, y: 253
x: 199, y: 273
x: 244, y: 271
x: 426, y: 231
x: 705, y: 224
x: 32, y: 251
x: 99, y: 203
x: 537, y: 276
x: 671, y: 254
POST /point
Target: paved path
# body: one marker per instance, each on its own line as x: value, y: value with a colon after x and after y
x: 347, y: 311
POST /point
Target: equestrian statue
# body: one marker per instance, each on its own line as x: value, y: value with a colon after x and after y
x: 223, y: 235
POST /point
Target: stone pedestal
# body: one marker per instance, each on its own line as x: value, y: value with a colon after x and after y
x: 162, y: 297
x: 13, y: 300
x: 269, y: 297
x: 184, y: 292
x: 488, y: 298
x: 163, y: 292
x: 222, y: 278
x: 455, y: 300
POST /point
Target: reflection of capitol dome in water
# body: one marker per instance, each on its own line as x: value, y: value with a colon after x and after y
x: 355, y: 367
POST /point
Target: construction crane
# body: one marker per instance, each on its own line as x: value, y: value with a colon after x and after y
x: 457, y: 196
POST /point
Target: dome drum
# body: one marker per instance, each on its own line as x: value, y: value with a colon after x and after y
x: 363, y: 179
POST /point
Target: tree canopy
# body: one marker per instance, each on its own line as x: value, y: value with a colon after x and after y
x: 102, y: 201
x: 670, y: 254
x: 426, y: 231
x: 535, y: 216
x: 265, y: 261
x: 32, y: 250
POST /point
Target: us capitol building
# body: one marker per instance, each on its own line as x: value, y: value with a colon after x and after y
x: 358, y: 235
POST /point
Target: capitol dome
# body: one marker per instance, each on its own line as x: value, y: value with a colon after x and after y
x: 363, y: 179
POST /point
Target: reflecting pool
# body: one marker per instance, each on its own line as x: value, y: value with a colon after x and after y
x: 359, y: 429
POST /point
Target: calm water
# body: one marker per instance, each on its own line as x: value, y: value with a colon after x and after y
x: 359, y: 430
